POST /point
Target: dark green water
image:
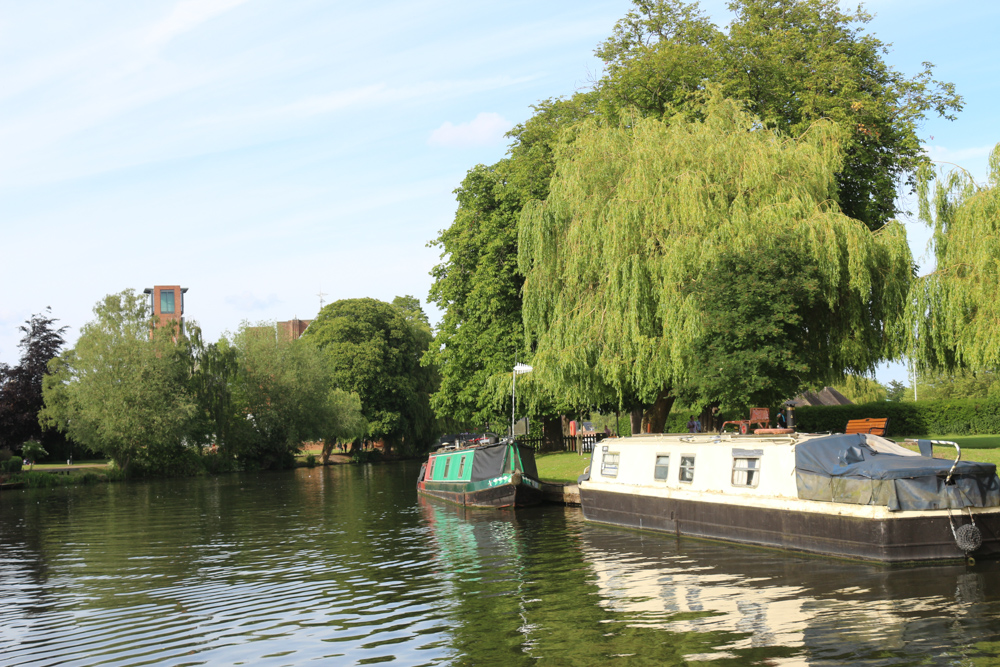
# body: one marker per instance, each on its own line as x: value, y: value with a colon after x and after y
x: 347, y: 566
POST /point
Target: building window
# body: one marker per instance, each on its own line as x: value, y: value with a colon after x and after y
x: 167, y: 302
x: 746, y: 470
x: 662, y: 468
x: 609, y: 464
x: 447, y: 464
x: 686, y: 472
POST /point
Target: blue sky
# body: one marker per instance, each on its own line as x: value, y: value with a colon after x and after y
x: 258, y: 152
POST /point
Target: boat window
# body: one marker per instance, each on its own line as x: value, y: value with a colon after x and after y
x: 609, y: 464
x: 461, y: 468
x: 686, y: 471
x: 746, y: 470
x: 662, y: 467
x: 447, y: 464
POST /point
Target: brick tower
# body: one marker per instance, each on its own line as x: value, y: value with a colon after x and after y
x: 167, y: 304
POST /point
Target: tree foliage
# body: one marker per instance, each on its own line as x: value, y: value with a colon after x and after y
x: 375, y: 351
x: 119, y: 391
x: 21, y: 385
x: 956, y: 305
x: 956, y: 385
x: 666, y: 202
x: 280, y: 396
x: 861, y: 389
x: 478, y: 288
x: 478, y: 284
x: 755, y: 347
x: 792, y: 62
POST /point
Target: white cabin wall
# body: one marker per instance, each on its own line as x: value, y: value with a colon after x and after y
x: 713, y: 464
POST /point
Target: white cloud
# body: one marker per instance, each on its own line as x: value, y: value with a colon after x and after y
x: 248, y: 301
x: 486, y: 129
x: 188, y: 15
x: 974, y: 159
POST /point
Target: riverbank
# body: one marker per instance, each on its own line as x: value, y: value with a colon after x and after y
x: 559, y: 470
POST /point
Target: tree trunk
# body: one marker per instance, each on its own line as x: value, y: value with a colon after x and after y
x: 655, y: 418
x: 552, y: 434
x: 710, y: 419
x: 635, y: 418
x: 327, y: 449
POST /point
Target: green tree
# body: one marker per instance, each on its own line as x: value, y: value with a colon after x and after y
x: 895, y: 391
x: 957, y: 384
x: 860, y: 389
x: 478, y: 288
x: 665, y: 202
x: 32, y: 450
x: 280, y: 395
x: 955, y: 306
x: 345, y: 420
x: 792, y: 62
x: 478, y: 285
x: 218, y: 420
x: 374, y: 351
x: 121, y: 391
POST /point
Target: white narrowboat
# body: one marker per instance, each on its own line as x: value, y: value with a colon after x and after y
x: 852, y: 496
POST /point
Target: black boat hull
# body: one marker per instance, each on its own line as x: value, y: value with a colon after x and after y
x: 892, y: 540
x: 524, y: 493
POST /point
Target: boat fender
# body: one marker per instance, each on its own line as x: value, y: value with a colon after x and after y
x: 515, y: 478
x: 584, y: 477
x: 968, y: 538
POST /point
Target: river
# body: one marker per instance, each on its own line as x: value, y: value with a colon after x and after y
x: 347, y: 566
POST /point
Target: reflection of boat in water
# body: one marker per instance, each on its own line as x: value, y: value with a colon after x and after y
x: 499, y: 474
x: 820, y: 610
x: 856, y: 496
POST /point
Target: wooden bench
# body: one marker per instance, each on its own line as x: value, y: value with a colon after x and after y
x: 872, y: 426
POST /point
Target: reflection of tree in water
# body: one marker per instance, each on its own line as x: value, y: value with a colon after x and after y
x: 519, y: 592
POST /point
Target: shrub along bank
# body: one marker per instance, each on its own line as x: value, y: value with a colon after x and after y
x: 956, y: 417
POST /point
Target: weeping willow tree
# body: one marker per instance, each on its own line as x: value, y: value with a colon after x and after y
x: 956, y: 306
x: 641, y: 215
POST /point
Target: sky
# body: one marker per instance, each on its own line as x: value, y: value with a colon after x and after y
x: 270, y: 154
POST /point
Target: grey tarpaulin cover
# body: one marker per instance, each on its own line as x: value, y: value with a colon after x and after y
x: 528, y: 461
x: 488, y: 461
x: 868, y: 470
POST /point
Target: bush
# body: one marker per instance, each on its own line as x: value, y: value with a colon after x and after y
x: 366, y: 456
x: 310, y: 460
x: 13, y: 464
x: 44, y: 480
x: 940, y: 417
x: 216, y: 463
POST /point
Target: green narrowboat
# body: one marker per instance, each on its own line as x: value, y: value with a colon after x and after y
x: 491, y: 475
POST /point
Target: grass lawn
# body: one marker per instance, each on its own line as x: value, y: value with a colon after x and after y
x: 980, y: 448
x: 562, y: 467
x: 81, y: 465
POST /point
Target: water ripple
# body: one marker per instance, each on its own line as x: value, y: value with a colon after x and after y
x: 347, y: 565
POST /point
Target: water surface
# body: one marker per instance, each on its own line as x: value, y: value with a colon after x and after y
x: 347, y: 566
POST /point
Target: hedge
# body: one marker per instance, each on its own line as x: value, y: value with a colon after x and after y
x: 953, y: 417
